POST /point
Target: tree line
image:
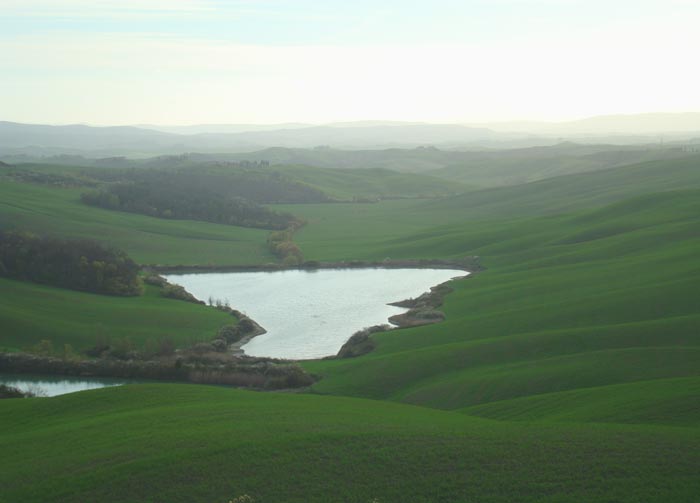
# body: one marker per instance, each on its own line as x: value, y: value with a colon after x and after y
x: 222, y: 199
x: 74, y: 264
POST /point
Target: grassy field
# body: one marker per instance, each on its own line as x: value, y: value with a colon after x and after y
x: 147, y: 240
x: 371, y: 183
x: 511, y: 167
x: 573, y: 192
x: 568, y: 370
x: 31, y: 312
x: 661, y: 401
x: 597, y: 298
x: 499, y: 219
x: 181, y: 443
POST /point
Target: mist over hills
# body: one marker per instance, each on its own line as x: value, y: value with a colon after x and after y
x: 630, y: 124
x: 192, y: 129
x: 148, y: 140
x: 131, y: 140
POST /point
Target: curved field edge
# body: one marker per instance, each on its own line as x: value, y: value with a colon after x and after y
x: 596, y: 309
x: 148, y: 240
x: 219, y: 443
x: 663, y: 401
x: 31, y: 313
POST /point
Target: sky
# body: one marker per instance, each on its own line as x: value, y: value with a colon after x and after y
x: 274, y: 61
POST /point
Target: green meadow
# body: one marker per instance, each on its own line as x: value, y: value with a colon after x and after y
x: 568, y: 370
x: 31, y: 313
x: 348, y: 184
x: 148, y: 240
x: 182, y: 443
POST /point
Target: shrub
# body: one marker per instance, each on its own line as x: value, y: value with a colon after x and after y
x: 11, y: 392
x: 178, y: 292
x: 75, y: 264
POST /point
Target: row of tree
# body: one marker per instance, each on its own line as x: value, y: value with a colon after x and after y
x: 281, y: 244
x: 75, y: 264
x: 221, y: 199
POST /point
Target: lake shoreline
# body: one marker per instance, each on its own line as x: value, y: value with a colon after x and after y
x: 262, y: 374
x: 468, y: 264
x: 420, y: 310
x: 243, y: 370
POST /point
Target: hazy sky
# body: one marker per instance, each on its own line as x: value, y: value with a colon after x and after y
x: 262, y: 61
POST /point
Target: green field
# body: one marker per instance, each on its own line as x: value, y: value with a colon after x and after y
x: 568, y: 370
x: 182, y: 443
x: 371, y: 183
x: 31, y: 312
x: 596, y: 298
x: 148, y: 240
x: 511, y: 167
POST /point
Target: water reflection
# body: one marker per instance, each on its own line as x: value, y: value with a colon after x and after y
x: 56, y: 385
x: 310, y: 314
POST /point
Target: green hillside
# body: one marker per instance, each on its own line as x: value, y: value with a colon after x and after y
x: 661, y: 401
x: 517, y: 166
x: 182, y: 443
x: 350, y: 183
x: 58, y: 211
x: 597, y: 298
x: 489, y: 221
x: 567, y: 370
x: 372, y: 182
x: 571, y: 192
x: 31, y: 313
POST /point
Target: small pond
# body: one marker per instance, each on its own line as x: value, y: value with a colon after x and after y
x: 42, y: 385
x: 310, y: 314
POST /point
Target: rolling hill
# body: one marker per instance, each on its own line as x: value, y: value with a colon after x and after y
x: 567, y: 370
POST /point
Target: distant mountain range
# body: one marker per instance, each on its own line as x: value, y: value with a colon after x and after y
x: 148, y: 140
x: 130, y: 140
x: 482, y: 168
x: 635, y: 124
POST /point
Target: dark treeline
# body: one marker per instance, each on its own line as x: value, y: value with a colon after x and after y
x: 230, y: 199
x: 75, y: 264
x: 258, y: 187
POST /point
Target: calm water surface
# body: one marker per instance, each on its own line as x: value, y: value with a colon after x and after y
x: 56, y: 385
x: 310, y: 314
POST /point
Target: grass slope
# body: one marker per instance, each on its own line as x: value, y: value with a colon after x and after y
x: 662, y: 401
x: 371, y: 182
x: 181, y: 443
x: 597, y: 298
x: 511, y: 167
x: 30, y: 313
x: 496, y: 220
x: 147, y: 240
x: 587, y: 313
x: 571, y: 192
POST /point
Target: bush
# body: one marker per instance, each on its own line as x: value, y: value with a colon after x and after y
x: 229, y: 333
x: 178, y: 292
x: 228, y: 200
x: 11, y: 392
x: 44, y: 348
x: 360, y: 343
x: 75, y: 264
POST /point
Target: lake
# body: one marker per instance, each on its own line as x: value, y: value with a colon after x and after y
x: 310, y: 314
x: 56, y: 385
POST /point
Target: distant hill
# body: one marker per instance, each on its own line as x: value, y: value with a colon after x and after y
x: 79, y: 138
x: 479, y: 168
x: 510, y: 167
x: 631, y: 124
x: 133, y: 141
x: 484, y: 168
x: 40, y: 139
x: 563, y: 194
x: 221, y: 128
